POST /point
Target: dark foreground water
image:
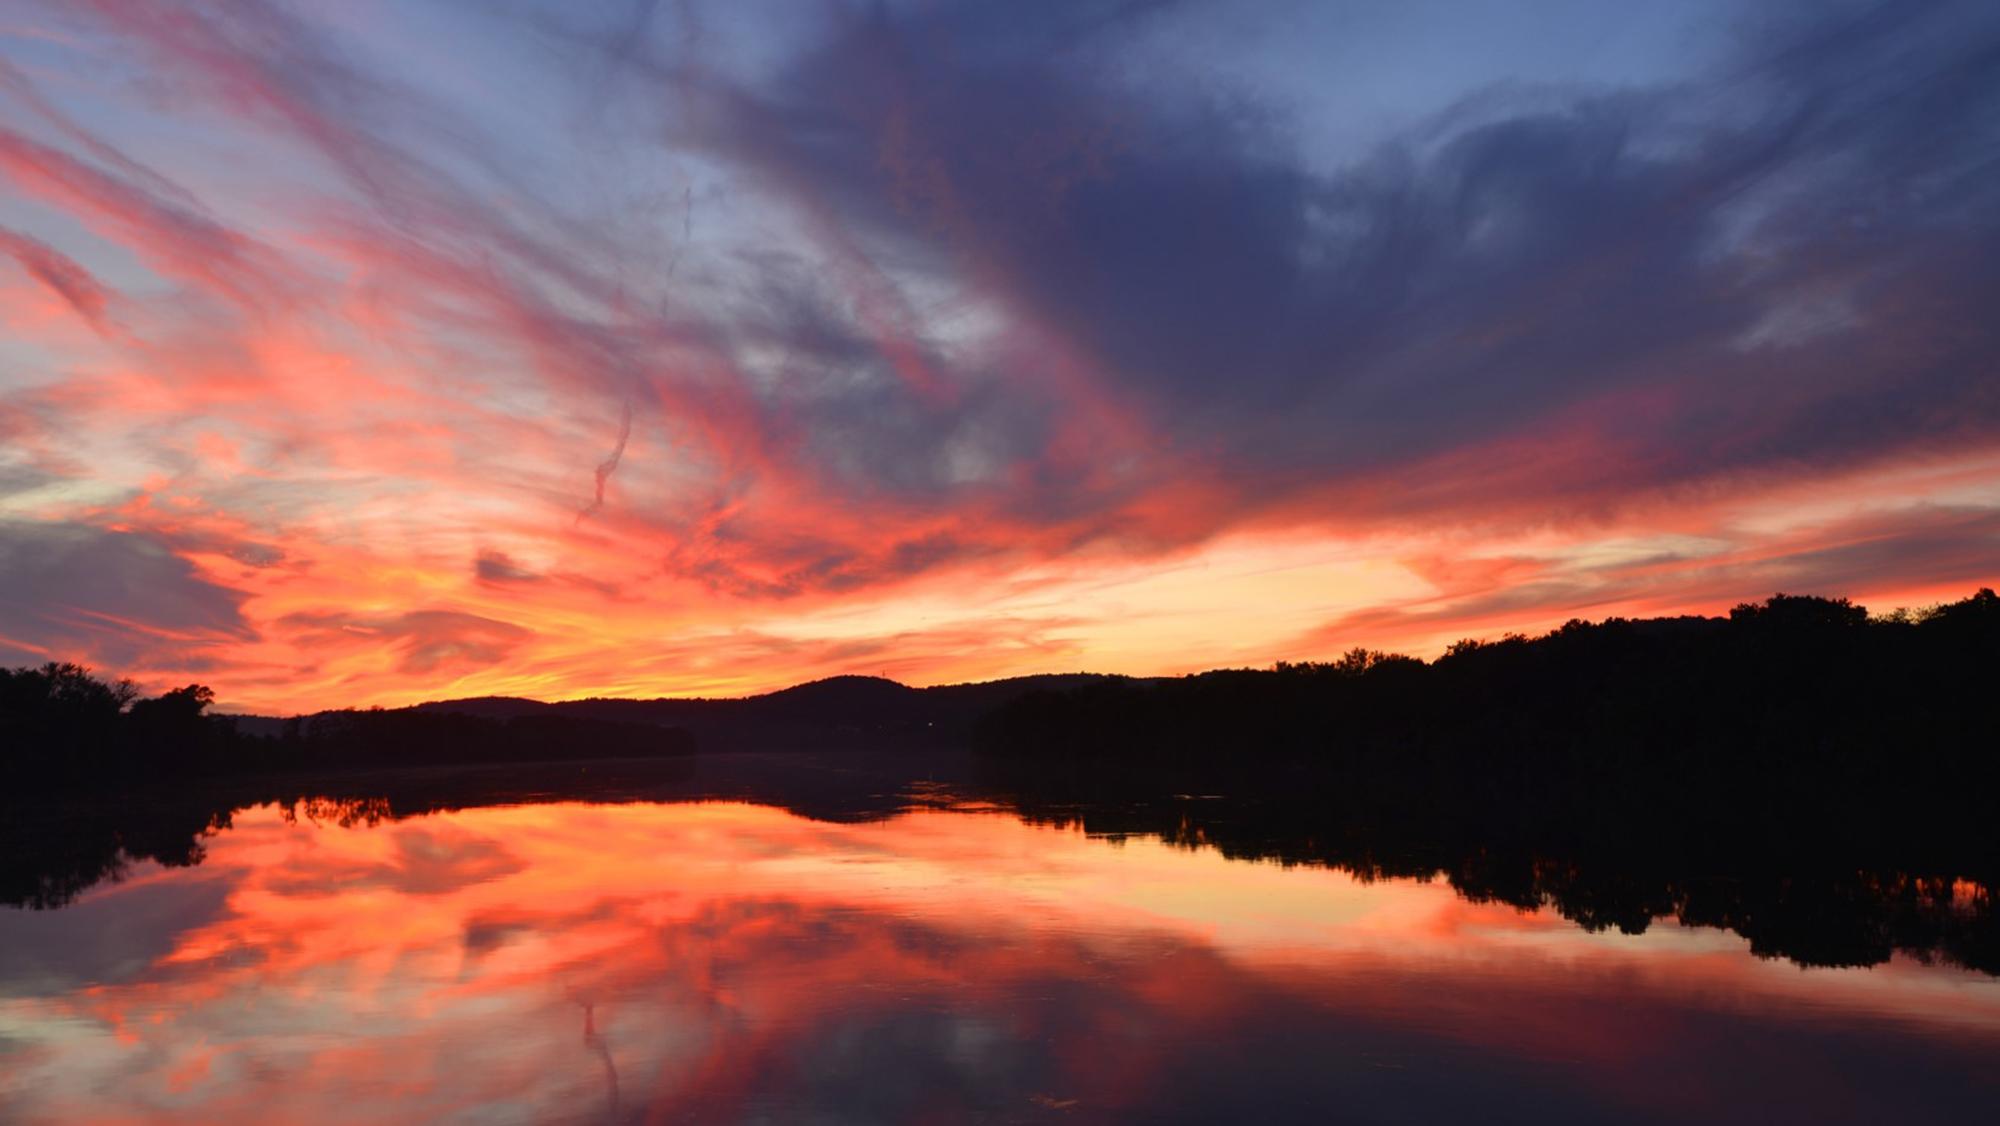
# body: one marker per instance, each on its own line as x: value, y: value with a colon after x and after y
x: 928, y: 959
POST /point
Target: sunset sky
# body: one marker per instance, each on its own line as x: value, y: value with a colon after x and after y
x: 387, y: 350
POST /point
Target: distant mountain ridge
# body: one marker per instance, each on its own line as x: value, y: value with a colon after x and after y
x: 1619, y: 682
x: 835, y: 712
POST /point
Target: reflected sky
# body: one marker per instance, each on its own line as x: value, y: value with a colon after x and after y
x: 735, y: 962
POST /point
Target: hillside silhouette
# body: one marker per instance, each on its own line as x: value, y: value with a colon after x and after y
x: 838, y: 712
x: 1792, y: 722
x: 1790, y: 676
x: 1791, y: 700
x: 63, y: 729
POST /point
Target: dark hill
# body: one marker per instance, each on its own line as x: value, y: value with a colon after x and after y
x: 1794, y: 722
x: 834, y: 713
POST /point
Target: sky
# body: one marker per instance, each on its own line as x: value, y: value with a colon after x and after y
x: 386, y: 351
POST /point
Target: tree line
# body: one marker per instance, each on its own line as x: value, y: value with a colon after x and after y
x: 64, y: 728
x: 1796, y: 712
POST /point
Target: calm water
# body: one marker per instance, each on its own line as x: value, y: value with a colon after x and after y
x: 728, y: 961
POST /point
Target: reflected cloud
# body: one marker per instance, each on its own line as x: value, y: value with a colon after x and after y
x: 427, y: 860
x: 724, y: 961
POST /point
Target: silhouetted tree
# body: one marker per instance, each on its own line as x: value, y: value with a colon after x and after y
x: 61, y: 727
x: 1797, y: 713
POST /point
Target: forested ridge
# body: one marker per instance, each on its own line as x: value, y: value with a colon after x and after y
x: 1789, y: 711
x: 64, y: 729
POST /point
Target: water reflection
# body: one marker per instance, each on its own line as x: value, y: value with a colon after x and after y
x: 727, y: 961
x: 1817, y: 901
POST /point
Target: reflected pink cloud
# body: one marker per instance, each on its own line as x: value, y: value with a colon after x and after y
x: 656, y: 962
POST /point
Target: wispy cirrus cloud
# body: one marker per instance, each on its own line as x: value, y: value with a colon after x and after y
x: 76, y: 286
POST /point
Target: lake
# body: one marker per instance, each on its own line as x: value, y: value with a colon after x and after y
x: 915, y: 952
